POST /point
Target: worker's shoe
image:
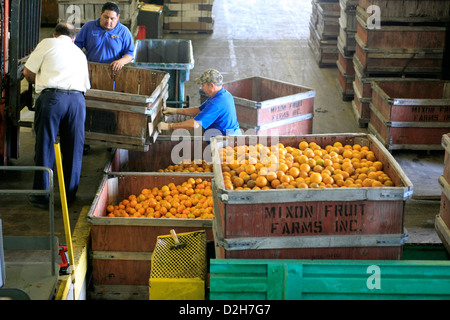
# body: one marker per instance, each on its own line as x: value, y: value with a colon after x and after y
x: 86, y: 149
x: 38, y: 201
x: 71, y: 200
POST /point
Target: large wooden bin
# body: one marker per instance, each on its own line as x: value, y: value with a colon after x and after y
x: 417, y: 11
x: 442, y: 222
x: 122, y: 110
x: 165, y: 151
x: 122, y: 247
x: 330, y: 223
x: 410, y: 114
x: 265, y: 106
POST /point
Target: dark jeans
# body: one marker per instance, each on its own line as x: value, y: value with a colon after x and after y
x: 64, y: 112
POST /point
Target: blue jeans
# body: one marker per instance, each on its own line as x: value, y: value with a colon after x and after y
x: 63, y: 112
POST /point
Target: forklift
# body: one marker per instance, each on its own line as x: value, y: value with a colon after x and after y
x: 22, y: 279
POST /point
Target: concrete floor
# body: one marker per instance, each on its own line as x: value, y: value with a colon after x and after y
x: 265, y: 38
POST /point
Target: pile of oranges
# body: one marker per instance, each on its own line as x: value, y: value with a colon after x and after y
x: 258, y: 167
x: 190, y: 200
x: 189, y: 166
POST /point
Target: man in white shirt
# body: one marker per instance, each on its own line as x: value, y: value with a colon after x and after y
x: 59, y: 70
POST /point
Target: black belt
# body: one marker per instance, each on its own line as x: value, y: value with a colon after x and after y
x: 61, y: 90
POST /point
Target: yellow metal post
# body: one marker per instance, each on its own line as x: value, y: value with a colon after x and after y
x: 62, y: 191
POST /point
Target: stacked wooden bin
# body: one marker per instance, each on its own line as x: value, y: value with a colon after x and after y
x: 309, y: 223
x: 324, y: 31
x: 407, y: 43
x: 271, y: 107
x: 122, y: 247
x: 123, y: 108
x: 189, y: 16
x: 346, y: 48
x: 442, y: 222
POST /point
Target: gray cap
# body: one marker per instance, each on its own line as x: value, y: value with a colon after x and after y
x: 210, y: 76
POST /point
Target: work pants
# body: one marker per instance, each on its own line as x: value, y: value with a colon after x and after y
x: 64, y: 112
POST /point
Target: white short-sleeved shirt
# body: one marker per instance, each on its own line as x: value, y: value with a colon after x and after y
x: 59, y: 63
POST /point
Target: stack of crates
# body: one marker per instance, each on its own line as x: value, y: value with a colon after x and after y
x: 346, y: 48
x: 400, y: 39
x: 324, y: 31
x: 189, y: 16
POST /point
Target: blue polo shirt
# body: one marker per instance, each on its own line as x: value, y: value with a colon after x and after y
x: 104, y: 46
x: 219, y: 113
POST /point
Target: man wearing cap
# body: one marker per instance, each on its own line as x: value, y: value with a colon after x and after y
x: 217, y: 115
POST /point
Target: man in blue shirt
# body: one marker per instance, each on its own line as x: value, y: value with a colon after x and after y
x: 217, y: 115
x: 106, y: 40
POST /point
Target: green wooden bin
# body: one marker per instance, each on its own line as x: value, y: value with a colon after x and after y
x: 232, y: 279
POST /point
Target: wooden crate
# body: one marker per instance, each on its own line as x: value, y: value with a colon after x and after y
x: 386, y: 62
x: 401, y: 49
x: 190, y: 16
x: 90, y: 10
x: 325, y: 51
x: 346, y: 42
x: 402, y: 38
x: 410, y: 114
x: 345, y: 75
x: 335, y: 223
x: 347, y: 19
x: 446, y: 146
x: 265, y: 105
x: 361, y: 109
x: 122, y: 247
x: 442, y: 221
x: 408, y: 11
x: 344, y: 83
x: 124, y: 113
x: 165, y: 151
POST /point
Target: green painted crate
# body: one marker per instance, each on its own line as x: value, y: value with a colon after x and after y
x: 232, y: 279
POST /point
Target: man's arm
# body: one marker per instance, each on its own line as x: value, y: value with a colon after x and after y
x: 190, y: 112
x: 30, y: 76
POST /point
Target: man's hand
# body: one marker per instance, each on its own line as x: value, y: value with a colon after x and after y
x: 163, y: 126
x: 169, y: 111
x: 117, y: 65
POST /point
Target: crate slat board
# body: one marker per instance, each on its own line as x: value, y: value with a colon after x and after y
x: 335, y: 223
x: 162, y: 153
x: 122, y: 110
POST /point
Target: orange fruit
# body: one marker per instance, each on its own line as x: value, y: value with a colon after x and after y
x: 250, y: 168
x: 316, y: 178
x: 261, y: 181
x: 294, y: 172
x: 305, y: 167
x: 303, y: 145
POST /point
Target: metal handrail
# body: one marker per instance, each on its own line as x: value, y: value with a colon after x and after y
x: 49, y: 192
